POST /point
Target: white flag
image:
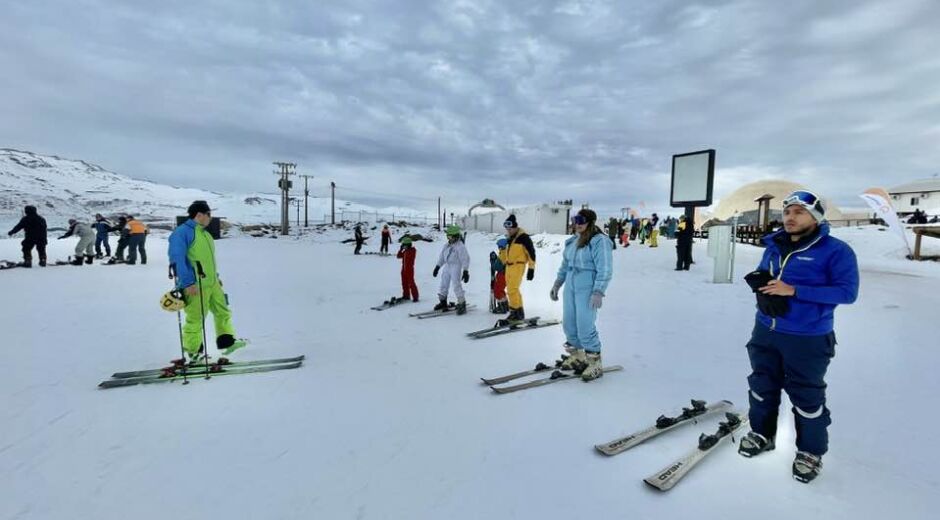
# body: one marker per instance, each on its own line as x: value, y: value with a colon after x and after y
x: 878, y: 199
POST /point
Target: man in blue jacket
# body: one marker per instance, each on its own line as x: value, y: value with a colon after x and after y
x: 804, y: 274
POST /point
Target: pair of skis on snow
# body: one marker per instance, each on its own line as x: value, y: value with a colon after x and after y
x: 180, y: 371
x: 557, y: 375
x: 669, y: 476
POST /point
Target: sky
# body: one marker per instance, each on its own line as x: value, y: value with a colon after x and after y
x: 400, y: 102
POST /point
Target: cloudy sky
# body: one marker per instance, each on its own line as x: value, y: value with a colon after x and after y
x: 518, y: 101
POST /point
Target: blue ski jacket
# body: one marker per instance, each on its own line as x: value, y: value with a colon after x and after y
x: 596, y: 256
x: 824, y: 273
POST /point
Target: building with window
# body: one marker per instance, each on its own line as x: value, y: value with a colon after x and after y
x: 923, y: 195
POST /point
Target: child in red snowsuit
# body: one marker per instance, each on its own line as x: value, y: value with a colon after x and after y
x: 407, y: 253
x: 498, y: 267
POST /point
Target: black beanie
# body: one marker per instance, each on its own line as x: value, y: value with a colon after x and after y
x: 512, y: 218
x: 198, y: 206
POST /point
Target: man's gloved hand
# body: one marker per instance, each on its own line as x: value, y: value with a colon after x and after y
x: 530, y: 275
x: 437, y: 269
x: 554, y: 292
x: 466, y: 277
x: 597, y: 300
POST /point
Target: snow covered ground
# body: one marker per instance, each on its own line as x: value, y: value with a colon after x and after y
x: 388, y: 419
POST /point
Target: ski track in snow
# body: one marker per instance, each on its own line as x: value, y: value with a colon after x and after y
x: 387, y: 417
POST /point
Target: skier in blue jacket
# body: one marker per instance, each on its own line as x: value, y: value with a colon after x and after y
x: 586, y: 268
x: 804, y: 274
x: 102, y: 228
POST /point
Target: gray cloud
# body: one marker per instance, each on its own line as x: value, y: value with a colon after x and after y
x: 519, y: 101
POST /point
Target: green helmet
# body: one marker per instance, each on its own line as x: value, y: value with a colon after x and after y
x: 453, y: 231
x: 406, y: 241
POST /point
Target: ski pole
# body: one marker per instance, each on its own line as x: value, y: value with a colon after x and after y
x: 202, y: 311
x: 179, y: 324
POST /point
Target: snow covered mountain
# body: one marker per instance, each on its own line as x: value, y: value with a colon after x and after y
x: 68, y: 188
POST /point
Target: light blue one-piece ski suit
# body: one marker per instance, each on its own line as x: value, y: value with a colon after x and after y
x: 583, y: 272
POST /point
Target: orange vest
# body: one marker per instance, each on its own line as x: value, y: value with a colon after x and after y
x: 136, y: 227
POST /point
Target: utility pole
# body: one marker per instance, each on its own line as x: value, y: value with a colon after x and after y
x: 306, y: 198
x: 296, y: 202
x: 284, y: 183
x: 332, y: 203
x: 439, y: 214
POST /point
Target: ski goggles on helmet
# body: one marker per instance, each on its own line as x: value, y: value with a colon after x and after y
x: 509, y: 224
x: 579, y: 220
x: 806, y: 199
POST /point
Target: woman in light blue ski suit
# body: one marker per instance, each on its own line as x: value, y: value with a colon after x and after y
x: 586, y: 270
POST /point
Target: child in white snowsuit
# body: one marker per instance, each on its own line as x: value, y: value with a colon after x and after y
x: 455, y: 260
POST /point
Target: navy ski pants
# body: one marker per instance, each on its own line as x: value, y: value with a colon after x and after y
x: 798, y: 365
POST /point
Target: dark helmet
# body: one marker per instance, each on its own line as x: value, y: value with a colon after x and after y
x: 30, y: 210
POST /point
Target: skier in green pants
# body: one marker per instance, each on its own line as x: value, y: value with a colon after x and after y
x: 192, y: 258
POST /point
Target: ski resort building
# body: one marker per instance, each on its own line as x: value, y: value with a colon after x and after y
x: 542, y: 218
x: 923, y: 195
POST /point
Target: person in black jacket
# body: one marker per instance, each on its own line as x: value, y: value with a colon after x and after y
x: 684, y: 244
x: 359, y: 239
x: 35, y: 230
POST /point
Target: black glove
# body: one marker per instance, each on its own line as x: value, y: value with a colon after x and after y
x: 437, y: 269
x: 530, y: 275
x: 466, y: 277
x: 758, y: 279
x: 773, y: 306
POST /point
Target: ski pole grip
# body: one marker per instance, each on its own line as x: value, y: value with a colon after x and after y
x: 202, y: 274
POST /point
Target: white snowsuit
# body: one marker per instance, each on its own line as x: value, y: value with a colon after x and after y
x: 454, y: 260
x: 86, y: 238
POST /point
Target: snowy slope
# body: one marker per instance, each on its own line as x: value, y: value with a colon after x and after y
x: 66, y: 188
x: 388, y: 419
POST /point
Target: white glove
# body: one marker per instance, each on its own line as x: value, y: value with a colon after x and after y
x: 597, y: 300
x: 554, y: 292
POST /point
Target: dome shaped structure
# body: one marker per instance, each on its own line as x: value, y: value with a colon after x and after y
x: 742, y: 200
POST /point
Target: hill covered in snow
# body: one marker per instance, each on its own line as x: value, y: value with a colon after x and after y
x: 68, y: 188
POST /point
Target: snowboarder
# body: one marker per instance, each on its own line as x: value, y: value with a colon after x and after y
x: 407, y: 254
x: 34, y: 229
x: 192, y: 257
x: 123, y: 239
x: 86, y: 241
x: 498, y: 282
x: 136, y: 240
x: 455, y: 260
x: 102, y: 228
x: 520, y: 253
x: 386, y: 239
x: 586, y: 268
x: 683, y: 245
x: 805, y: 273
x: 359, y: 239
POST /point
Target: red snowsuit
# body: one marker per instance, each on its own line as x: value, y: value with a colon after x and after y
x: 408, y: 287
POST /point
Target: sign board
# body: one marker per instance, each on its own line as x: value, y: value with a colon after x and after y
x: 693, y: 176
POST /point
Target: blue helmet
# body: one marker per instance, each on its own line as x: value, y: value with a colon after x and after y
x: 502, y: 243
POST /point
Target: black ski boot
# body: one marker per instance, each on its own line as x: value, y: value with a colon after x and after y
x: 441, y: 305
x: 754, y: 444
x: 806, y: 466
x: 42, y: 262
x: 76, y: 261
x: 461, y: 308
x: 89, y: 259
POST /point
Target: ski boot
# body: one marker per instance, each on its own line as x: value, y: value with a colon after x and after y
x: 574, y: 359
x: 76, y: 261
x: 99, y: 256
x: 593, y: 368
x: 25, y: 264
x: 229, y: 344
x: 42, y: 262
x: 806, y: 466
x: 196, y: 358
x: 441, y: 305
x: 461, y: 308
x: 754, y: 444
x: 89, y: 259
